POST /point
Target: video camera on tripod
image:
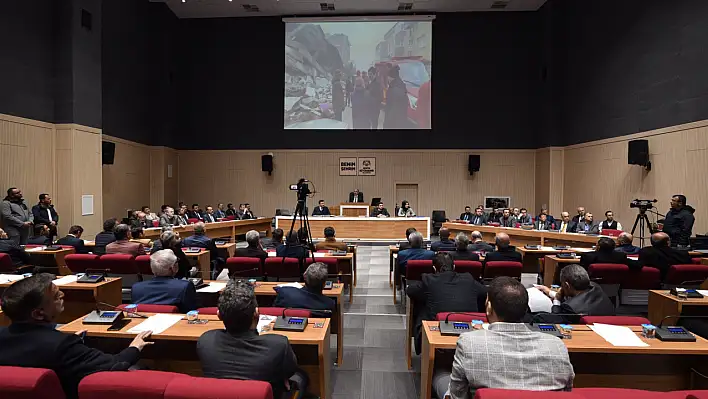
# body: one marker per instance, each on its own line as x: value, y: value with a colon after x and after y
x: 302, y: 188
x: 642, y: 220
x: 643, y: 205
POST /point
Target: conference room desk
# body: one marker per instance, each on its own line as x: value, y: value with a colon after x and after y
x: 203, y: 260
x: 41, y: 257
x: 360, y: 228
x: 661, y: 366
x: 531, y: 257
x: 265, y: 294
x: 225, y: 228
x: 345, y: 264
x: 174, y: 349
x: 81, y: 298
x: 662, y: 304
x: 520, y: 237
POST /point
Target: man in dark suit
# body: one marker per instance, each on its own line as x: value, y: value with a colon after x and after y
x: 33, y: 305
x: 209, y: 216
x: 625, y: 244
x: 444, y: 291
x: 74, y: 239
x: 122, y: 244
x: 467, y: 215
x: 661, y: 256
x: 605, y: 253
x: 321, y: 209
x: 247, y: 213
x: 254, y: 249
x: 230, y: 210
x: 310, y: 296
x: 292, y: 248
x: 445, y: 243
x: 356, y: 196
x: 679, y: 220
x: 478, y: 219
x: 524, y: 217
x: 380, y: 211
x: 200, y: 240
x: 274, y: 241
x: 164, y: 288
x: 41, y: 235
x: 580, y: 216
x: 415, y: 252
x: 565, y: 225
x: 504, y: 252
x: 462, y: 251
x: 105, y: 237
x: 578, y: 296
x: 587, y: 225
x: 220, y: 212
x: 195, y: 213
x: 542, y: 223
x: 479, y: 245
x: 406, y: 244
x: 17, y: 254
x: 45, y: 214
x: 238, y: 352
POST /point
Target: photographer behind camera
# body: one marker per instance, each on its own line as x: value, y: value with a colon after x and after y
x: 678, y: 223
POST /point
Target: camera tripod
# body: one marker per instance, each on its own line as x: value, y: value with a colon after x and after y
x: 301, y: 210
x: 643, y: 221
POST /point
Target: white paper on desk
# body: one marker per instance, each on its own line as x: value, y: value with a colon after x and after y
x: 87, y: 242
x: 157, y: 323
x: 702, y: 292
x: 617, y: 335
x: 263, y: 321
x: 296, y: 285
x: 7, y: 278
x: 71, y: 278
x: 213, y: 287
x: 582, y: 249
x: 538, y: 301
x: 36, y: 249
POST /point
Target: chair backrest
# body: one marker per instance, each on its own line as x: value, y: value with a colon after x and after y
x: 608, y: 273
x: 209, y: 310
x: 78, y: 263
x: 6, y: 263
x: 489, y: 393
x: 331, y: 262
x: 679, y: 274
x: 205, y: 388
x: 192, y: 220
x: 697, y: 261
x: 244, y: 267
x: 495, y: 224
x: 502, y: 268
x: 416, y: 268
x: 615, y: 320
x: 438, y: 216
x: 472, y: 267
x: 155, y: 223
x: 118, y: 263
x: 467, y: 316
x: 289, y: 312
x: 29, y: 383
x: 278, y: 267
x: 143, y: 264
x: 611, y: 232
x: 648, y: 278
x: 150, y: 308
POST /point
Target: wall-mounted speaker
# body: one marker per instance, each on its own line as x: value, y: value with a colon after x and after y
x: 108, y: 152
x: 473, y: 164
x: 638, y: 153
x: 267, y: 163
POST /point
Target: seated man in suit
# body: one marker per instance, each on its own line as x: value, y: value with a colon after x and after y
x: 239, y: 352
x: 406, y: 244
x: 479, y: 218
x: 587, y: 226
x: 580, y: 216
x: 292, y: 248
x: 209, y: 216
x: 380, y: 211
x: 605, y: 253
x: 577, y: 295
x: 610, y: 223
x: 275, y: 239
x: 200, y: 240
x: 164, y: 288
x: 310, y: 296
x: 17, y: 254
x: 566, y: 225
x: 180, y: 218
x: 45, y: 214
x: 74, y: 239
x: 247, y: 212
x: 138, y: 235
x: 230, y: 210
x: 625, y: 244
x: 321, y: 209
x: 195, y: 213
x: 445, y: 243
x: 33, y: 304
x: 41, y: 235
x: 241, y: 210
x: 462, y: 251
x: 506, y: 355
x: 524, y: 217
x: 467, y: 214
x: 220, y: 212
x: 661, y: 256
x: 507, y: 219
x: 542, y: 223
x: 356, y: 196
x: 122, y: 244
x: 254, y: 250
x: 149, y: 215
x: 330, y: 243
x: 550, y: 218
x: 478, y: 244
x: 443, y: 291
x: 105, y: 237
x: 168, y: 218
x: 415, y: 252
x: 504, y: 252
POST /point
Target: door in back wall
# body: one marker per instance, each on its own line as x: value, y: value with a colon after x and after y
x: 407, y: 192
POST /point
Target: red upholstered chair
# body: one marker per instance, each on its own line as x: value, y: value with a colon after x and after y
x: 244, y: 267
x: 210, y: 310
x: 615, y: 320
x: 635, y: 289
x: 472, y: 267
x: 149, y: 308
x: 608, y: 273
x: 278, y: 268
x: 141, y: 384
x: 620, y: 393
x: 289, y: 312
x: 468, y: 317
x: 123, y: 266
x: 29, y: 383
x: 155, y: 223
x: 143, y: 264
x: 696, y: 261
x: 232, y: 217
x: 416, y: 268
x: 206, y: 388
x: 488, y: 393
x: 502, y: 268
x: 192, y: 220
x: 680, y: 275
x: 78, y: 263
x: 495, y: 224
x: 6, y: 265
x: 611, y: 232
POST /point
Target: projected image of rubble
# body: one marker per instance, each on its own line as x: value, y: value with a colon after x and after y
x: 358, y: 75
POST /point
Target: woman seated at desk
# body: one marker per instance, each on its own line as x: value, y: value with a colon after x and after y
x: 405, y: 210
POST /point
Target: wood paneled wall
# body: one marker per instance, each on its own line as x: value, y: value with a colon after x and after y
x: 209, y: 177
x: 543, y: 179
x: 597, y: 176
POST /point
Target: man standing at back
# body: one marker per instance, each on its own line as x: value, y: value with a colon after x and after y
x: 16, y: 217
x: 507, y: 355
x: 678, y: 223
x: 45, y: 214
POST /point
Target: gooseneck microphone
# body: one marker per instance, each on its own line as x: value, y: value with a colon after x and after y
x: 291, y: 323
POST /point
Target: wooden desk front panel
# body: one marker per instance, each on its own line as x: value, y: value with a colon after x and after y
x: 228, y: 228
x: 521, y: 237
x: 362, y: 228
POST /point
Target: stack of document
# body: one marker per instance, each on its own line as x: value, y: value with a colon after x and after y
x: 8, y: 278
x: 263, y: 321
x: 157, y: 323
x: 213, y: 287
x: 65, y: 280
x: 296, y: 285
x: 617, y: 335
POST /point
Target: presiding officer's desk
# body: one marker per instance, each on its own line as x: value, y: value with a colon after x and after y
x: 520, y: 237
x: 175, y: 348
x: 360, y: 228
x: 661, y: 366
x: 225, y: 228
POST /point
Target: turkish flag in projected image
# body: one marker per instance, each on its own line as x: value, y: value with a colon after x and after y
x: 358, y: 75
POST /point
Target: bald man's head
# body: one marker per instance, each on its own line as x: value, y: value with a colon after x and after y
x: 625, y: 238
x: 660, y: 240
x: 502, y: 240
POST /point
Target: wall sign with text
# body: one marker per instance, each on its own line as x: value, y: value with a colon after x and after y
x: 367, y: 166
x: 347, y: 166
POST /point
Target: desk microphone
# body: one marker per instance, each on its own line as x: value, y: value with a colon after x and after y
x: 288, y: 323
x: 136, y: 314
x: 549, y: 328
x: 676, y: 333
x: 456, y: 327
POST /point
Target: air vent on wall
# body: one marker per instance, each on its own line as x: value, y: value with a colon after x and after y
x: 500, y: 5
x: 327, y: 6
x: 405, y: 6
x: 250, y: 7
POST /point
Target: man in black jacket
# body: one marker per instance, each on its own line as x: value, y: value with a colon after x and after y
x: 74, y: 239
x: 238, y: 352
x: 254, y: 249
x: 605, y: 253
x: 565, y: 225
x: 661, y: 256
x: 18, y: 255
x: 321, y: 209
x: 462, y: 251
x: 678, y: 223
x: 105, y: 237
x: 45, y: 214
x: 478, y: 219
x: 504, y: 252
x: 445, y: 291
x: 467, y: 214
x: 406, y: 244
x: 445, y: 243
x: 479, y: 245
x: 577, y: 295
x: 33, y: 304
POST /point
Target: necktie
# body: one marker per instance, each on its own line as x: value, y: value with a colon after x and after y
x: 564, y: 227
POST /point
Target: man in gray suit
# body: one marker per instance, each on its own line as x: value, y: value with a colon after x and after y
x: 588, y: 226
x: 16, y: 217
x: 507, y: 355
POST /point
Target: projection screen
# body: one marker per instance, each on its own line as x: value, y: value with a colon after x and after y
x: 364, y: 74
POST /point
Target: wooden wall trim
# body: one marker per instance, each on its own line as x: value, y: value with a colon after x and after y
x: 25, y: 121
x: 369, y: 151
x: 81, y: 128
x: 641, y: 135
